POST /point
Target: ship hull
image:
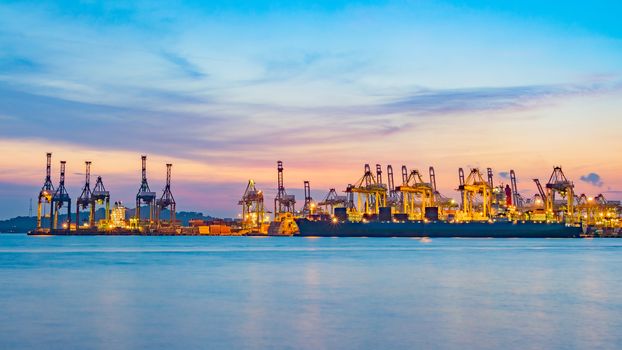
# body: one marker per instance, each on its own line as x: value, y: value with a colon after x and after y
x: 437, y: 229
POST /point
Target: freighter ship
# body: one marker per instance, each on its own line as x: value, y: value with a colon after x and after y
x: 424, y: 228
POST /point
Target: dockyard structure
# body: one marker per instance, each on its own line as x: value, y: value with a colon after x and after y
x: 46, y: 193
x: 374, y: 197
x: 309, y: 208
x: 283, y: 202
x: 166, y: 201
x: 333, y: 200
x: 61, y: 200
x: 367, y: 194
x: 100, y: 196
x: 416, y: 194
x: 145, y: 196
x: 84, y: 200
x: 253, y: 212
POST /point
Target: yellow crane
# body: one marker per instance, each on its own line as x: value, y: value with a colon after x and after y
x: 369, y: 192
x: 253, y: 213
x: 558, y: 184
x: 413, y: 190
x: 471, y: 188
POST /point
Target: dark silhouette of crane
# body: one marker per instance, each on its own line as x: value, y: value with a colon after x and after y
x: 283, y: 203
x: 333, y: 200
x: 60, y: 198
x: 309, y: 207
x: 84, y: 200
x: 166, y: 200
x: 144, y: 195
x: 517, y: 199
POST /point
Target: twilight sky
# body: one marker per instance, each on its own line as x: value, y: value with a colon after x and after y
x: 224, y: 89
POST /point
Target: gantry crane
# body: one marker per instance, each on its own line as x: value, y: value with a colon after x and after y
x: 100, y: 196
x: 370, y: 194
x: 415, y: 189
x: 595, y: 210
x: 252, y: 207
x: 332, y: 201
x: 144, y: 195
x: 46, y: 193
x: 309, y: 207
x: 84, y: 200
x: 517, y: 199
x: 557, y: 184
x: 394, y: 199
x: 283, y: 202
x: 166, y: 201
x: 472, y: 187
x: 59, y: 199
x: 461, y: 183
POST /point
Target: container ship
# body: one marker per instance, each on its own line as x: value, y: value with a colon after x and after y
x: 495, y: 229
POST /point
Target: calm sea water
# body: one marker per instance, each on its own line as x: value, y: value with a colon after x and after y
x: 304, y: 293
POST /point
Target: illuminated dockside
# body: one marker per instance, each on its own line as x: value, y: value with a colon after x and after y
x: 373, y: 205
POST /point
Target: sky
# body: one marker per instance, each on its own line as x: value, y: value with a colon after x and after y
x: 224, y: 89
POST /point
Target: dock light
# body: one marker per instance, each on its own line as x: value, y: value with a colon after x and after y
x: 334, y: 220
x: 65, y: 225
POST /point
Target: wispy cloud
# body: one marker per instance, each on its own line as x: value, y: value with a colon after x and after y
x: 450, y: 101
x: 19, y: 64
x: 188, y: 68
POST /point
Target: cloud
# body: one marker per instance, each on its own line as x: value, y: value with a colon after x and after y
x: 504, y: 175
x: 19, y: 64
x: 185, y: 66
x: 450, y: 101
x: 593, y: 179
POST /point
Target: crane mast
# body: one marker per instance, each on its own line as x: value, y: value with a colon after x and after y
x: 46, y: 193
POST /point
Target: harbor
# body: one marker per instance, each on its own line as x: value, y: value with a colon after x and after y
x: 375, y: 205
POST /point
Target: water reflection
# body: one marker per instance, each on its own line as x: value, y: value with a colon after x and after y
x: 248, y: 293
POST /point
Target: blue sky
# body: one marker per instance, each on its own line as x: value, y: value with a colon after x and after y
x: 224, y: 89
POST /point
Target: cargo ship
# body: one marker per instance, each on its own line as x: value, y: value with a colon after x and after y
x: 494, y: 229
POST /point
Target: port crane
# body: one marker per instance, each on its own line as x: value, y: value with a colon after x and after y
x: 59, y: 199
x: 309, y: 206
x: 99, y: 196
x: 283, y: 203
x: 370, y: 194
x: 46, y: 193
x: 166, y: 201
x: 84, y: 200
x: 332, y: 201
x: 253, y: 211
x: 557, y: 184
x: 472, y: 187
x: 413, y: 189
x: 517, y: 199
x: 394, y: 198
x: 144, y: 195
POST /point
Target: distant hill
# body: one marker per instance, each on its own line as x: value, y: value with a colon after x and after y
x: 23, y: 224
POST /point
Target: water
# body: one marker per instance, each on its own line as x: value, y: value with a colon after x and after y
x: 304, y: 293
